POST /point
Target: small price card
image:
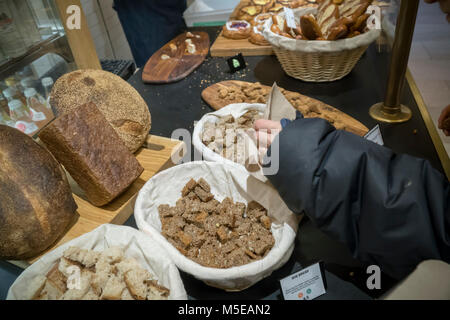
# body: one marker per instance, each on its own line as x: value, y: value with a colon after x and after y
x: 374, y: 135
x: 236, y: 63
x: 289, y: 16
x: 306, y: 284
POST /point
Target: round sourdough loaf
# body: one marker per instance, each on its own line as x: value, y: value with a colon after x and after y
x: 119, y: 102
x: 36, y: 203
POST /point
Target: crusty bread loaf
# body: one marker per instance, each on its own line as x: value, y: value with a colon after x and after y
x: 92, y: 152
x: 36, y: 203
x: 119, y: 102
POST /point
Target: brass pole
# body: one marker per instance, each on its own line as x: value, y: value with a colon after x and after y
x: 391, y: 110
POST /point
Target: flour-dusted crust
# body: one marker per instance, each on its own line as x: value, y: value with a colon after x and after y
x: 120, y: 103
x: 232, y: 31
x: 36, y: 203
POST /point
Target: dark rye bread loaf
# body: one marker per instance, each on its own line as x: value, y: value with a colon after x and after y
x: 119, y: 102
x: 84, y: 142
x: 36, y: 203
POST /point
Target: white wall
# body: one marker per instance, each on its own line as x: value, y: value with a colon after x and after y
x: 115, y: 46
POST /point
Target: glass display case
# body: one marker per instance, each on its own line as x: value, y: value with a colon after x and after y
x: 34, y: 53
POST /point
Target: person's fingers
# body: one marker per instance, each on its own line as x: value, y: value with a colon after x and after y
x: 444, y: 114
x: 261, y: 152
x: 268, y: 125
x: 264, y: 139
x: 447, y: 132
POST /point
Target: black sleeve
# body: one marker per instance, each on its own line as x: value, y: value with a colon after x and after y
x: 390, y: 210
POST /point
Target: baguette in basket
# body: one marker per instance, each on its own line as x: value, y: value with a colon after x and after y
x: 335, y: 19
x: 320, y: 61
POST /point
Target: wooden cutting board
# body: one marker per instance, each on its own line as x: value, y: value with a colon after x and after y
x: 224, y: 47
x: 180, y: 64
x: 220, y: 94
x: 155, y: 156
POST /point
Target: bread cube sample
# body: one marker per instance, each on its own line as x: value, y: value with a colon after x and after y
x: 212, y: 233
x: 112, y: 277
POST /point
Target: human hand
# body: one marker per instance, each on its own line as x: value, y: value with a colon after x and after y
x: 445, y: 117
x: 266, y: 131
x: 445, y: 6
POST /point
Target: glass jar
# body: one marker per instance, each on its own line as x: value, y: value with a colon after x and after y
x: 47, y: 83
x: 18, y: 111
x: 28, y: 82
x: 13, y: 82
x: 37, y: 105
x: 12, y: 93
x: 22, y: 120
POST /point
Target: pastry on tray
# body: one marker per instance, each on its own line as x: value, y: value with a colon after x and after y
x: 249, y: 12
x: 237, y: 29
x: 260, y: 19
x: 249, y: 9
x: 256, y: 36
x: 277, y: 7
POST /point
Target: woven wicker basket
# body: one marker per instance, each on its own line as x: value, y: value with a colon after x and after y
x: 318, y: 61
x: 318, y: 66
